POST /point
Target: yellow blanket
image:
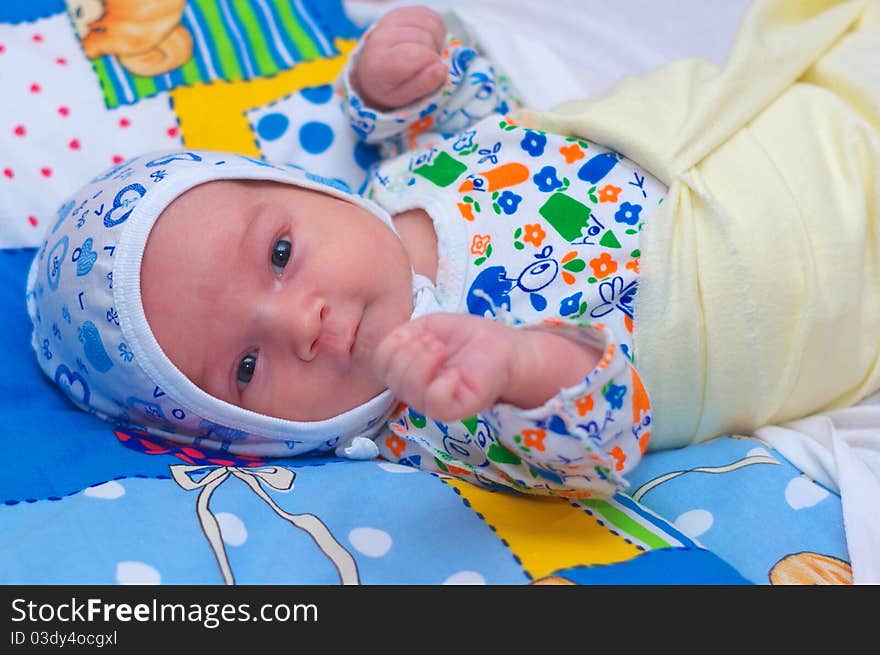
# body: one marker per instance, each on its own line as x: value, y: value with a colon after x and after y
x: 759, y: 300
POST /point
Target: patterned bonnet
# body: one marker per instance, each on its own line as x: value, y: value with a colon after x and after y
x: 91, y: 335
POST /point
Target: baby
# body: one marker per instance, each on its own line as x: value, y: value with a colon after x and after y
x: 471, y: 313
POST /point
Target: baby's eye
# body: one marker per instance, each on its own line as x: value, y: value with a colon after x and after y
x: 246, y: 368
x: 280, y: 255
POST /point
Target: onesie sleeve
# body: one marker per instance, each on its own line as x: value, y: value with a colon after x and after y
x: 579, y: 444
x: 472, y: 91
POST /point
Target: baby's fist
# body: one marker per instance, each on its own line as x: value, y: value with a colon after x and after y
x: 400, y: 62
x: 448, y: 366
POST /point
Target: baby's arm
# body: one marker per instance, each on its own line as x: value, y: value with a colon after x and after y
x: 408, y: 78
x: 563, y: 410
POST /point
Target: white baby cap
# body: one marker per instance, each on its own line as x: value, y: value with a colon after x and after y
x: 91, y: 334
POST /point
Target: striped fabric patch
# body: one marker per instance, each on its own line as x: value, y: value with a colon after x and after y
x: 232, y: 40
x: 640, y: 525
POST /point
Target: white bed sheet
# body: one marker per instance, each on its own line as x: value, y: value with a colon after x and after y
x: 571, y: 49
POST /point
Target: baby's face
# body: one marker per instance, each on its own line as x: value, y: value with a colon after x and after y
x: 272, y: 297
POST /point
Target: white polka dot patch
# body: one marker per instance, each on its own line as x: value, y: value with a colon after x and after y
x: 136, y: 573
x: 107, y: 491
x: 370, y: 541
x: 695, y: 522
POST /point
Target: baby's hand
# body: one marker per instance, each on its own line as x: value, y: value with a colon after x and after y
x: 400, y: 61
x: 448, y: 366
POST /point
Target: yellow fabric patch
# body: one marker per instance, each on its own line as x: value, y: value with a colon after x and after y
x: 546, y: 534
x: 212, y: 116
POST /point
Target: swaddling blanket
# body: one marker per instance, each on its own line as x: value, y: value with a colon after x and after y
x: 760, y: 299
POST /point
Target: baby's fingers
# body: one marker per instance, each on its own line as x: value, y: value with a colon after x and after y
x: 406, y: 361
x: 449, y: 398
x: 405, y: 73
x: 428, y: 75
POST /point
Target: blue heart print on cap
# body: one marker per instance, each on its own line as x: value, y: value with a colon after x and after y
x: 85, y: 257
x: 94, y: 348
x: 124, y: 200
x: 73, y: 384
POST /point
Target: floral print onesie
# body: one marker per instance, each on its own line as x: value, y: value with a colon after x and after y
x: 540, y: 231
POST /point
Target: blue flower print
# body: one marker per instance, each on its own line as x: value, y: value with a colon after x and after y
x: 509, y: 201
x: 546, y: 179
x: 125, y: 353
x: 615, y: 293
x: 628, y: 213
x: 533, y: 143
x: 465, y: 140
x: 614, y: 394
x: 571, y: 304
x: 490, y: 155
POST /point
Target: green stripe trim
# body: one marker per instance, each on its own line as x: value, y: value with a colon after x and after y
x: 626, y: 523
x: 144, y: 87
x: 106, y: 82
x: 304, y: 43
x: 190, y: 72
x: 266, y: 66
x: 222, y: 40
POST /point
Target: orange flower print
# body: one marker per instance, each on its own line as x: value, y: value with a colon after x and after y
x: 479, y: 244
x: 609, y: 193
x: 633, y: 265
x: 395, y: 444
x: 619, y: 457
x: 534, y: 438
x: 421, y: 125
x: 584, y: 405
x: 534, y: 234
x: 603, y: 266
x: 571, y: 153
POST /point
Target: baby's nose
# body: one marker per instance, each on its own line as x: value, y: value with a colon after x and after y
x: 307, y: 329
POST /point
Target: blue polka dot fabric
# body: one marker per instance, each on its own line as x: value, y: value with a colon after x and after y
x: 309, y: 129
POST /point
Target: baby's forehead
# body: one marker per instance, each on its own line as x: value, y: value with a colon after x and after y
x: 204, y: 208
x: 211, y: 194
